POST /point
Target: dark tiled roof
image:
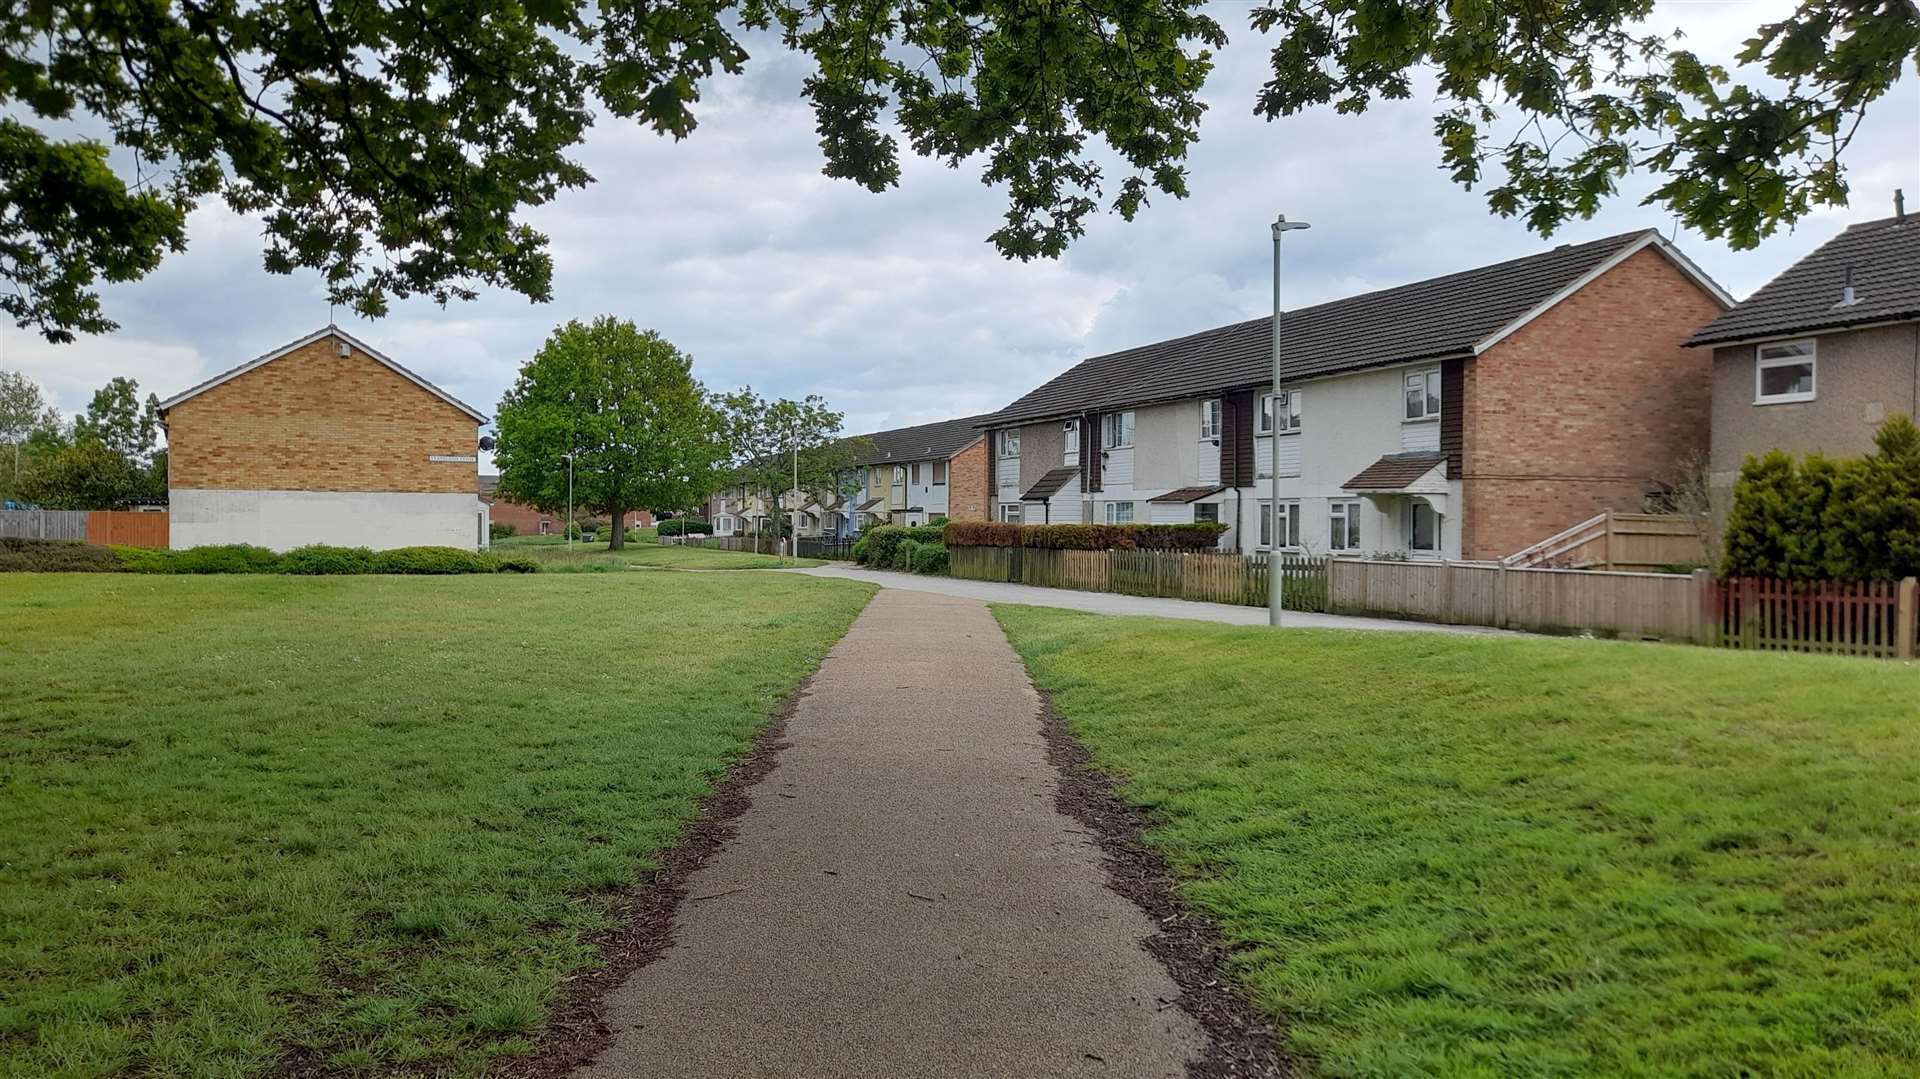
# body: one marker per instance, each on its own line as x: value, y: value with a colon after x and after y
x: 1394, y: 471
x: 1885, y: 256
x: 868, y: 504
x: 928, y: 441
x: 1186, y: 494
x: 1049, y: 485
x: 1441, y: 316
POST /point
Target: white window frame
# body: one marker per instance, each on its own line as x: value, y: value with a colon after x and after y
x: 1414, y: 506
x: 939, y: 473
x: 1431, y: 402
x: 1069, y: 439
x: 1012, y: 513
x: 1351, y: 537
x: 1269, y: 527
x: 1290, y: 424
x: 1112, y: 513
x: 1116, y: 430
x: 1763, y: 363
x: 1009, y: 444
x: 1214, y: 506
x: 1210, y: 420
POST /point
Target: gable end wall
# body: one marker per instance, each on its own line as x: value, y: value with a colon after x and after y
x: 1584, y: 408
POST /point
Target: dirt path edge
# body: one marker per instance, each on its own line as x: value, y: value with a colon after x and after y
x: 1241, y: 1042
x: 641, y: 921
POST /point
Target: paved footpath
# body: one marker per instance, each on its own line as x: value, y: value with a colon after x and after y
x: 902, y: 899
x: 1111, y: 603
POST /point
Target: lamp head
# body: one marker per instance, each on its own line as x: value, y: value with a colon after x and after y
x: 1281, y: 224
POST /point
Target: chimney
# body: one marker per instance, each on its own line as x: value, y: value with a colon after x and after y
x: 1899, y: 205
x: 1846, y: 290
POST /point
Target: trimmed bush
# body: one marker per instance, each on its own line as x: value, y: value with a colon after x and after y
x: 929, y: 558
x: 1847, y: 519
x: 903, y: 555
x: 318, y: 559
x: 881, y: 546
x: 432, y: 560
x: 500, y: 529
x: 1200, y: 536
x: 22, y: 555
x: 515, y: 563
x: 218, y: 558
x: 862, y: 547
x: 686, y: 526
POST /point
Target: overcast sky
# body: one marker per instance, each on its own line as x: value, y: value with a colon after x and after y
x: 892, y: 306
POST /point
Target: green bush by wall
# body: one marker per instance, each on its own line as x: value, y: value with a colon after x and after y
x: 19, y: 555
x: 1200, y: 536
x: 35, y: 555
x: 1824, y: 518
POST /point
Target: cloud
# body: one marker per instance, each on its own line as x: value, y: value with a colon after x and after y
x: 892, y: 305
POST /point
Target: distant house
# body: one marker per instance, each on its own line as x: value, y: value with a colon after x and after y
x: 1464, y: 416
x: 913, y: 475
x: 323, y: 440
x: 1822, y: 354
x: 528, y: 521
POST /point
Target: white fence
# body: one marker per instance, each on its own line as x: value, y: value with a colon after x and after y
x: 1658, y: 605
x: 44, y: 524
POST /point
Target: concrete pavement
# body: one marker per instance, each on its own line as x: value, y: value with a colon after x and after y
x: 1111, y: 603
x: 902, y: 898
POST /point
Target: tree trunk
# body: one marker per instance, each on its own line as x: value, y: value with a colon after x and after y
x: 618, y: 541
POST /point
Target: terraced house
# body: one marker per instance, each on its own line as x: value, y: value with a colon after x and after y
x: 915, y: 474
x: 1464, y: 416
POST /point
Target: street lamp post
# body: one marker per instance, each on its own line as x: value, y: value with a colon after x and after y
x: 1276, y: 563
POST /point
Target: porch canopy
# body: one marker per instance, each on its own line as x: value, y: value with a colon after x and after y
x: 1421, y: 474
x: 1049, y: 485
x: 1185, y: 495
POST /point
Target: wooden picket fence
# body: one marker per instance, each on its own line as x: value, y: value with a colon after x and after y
x: 1859, y: 618
x: 1205, y: 576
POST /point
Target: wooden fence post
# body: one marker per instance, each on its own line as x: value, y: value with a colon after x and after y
x: 1703, y: 607
x: 1606, y: 543
x: 1446, y: 572
x: 1500, y: 596
x: 1904, y: 612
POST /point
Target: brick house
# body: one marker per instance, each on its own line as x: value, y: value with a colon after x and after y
x: 1465, y: 416
x: 1821, y: 355
x: 323, y: 440
x: 528, y: 521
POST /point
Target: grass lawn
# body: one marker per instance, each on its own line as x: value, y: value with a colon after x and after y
x: 368, y: 816
x: 590, y: 557
x: 1526, y: 857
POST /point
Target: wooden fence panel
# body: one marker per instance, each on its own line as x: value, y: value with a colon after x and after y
x: 44, y: 524
x: 127, y: 528
x: 1862, y: 618
x: 1549, y: 600
x: 1205, y: 576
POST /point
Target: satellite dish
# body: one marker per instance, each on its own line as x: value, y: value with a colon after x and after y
x: 486, y: 442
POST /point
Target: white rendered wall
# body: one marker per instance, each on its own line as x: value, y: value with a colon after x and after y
x: 283, y: 520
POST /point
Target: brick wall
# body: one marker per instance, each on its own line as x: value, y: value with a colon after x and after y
x: 1584, y: 408
x: 313, y: 420
x: 968, y: 498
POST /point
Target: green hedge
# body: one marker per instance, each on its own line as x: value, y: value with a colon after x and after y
x: 500, y: 529
x: 682, y: 526
x: 1200, y: 536
x: 18, y: 555
x: 881, y: 546
x: 929, y: 558
x: 30, y: 555
x: 1824, y: 518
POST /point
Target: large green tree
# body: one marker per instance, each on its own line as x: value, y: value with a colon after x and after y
x: 117, y: 419
x: 393, y: 146
x: 623, y: 402
x: 24, y: 411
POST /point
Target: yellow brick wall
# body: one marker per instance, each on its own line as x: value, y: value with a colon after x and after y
x: 313, y: 420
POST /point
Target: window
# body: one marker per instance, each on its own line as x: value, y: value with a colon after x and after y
x: 1344, y: 531
x: 1210, y: 419
x: 1423, y: 395
x: 899, y: 476
x: 1070, y: 438
x: 1423, y: 527
x: 1288, y: 524
x: 1289, y: 413
x: 1207, y: 512
x: 1010, y: 443
x: 1010, y: 512
x: 939, y: 473
x: 916, y: 473
x: 1116, y: 430
x: 1783, y: 373
x: 545, y: 524
x: 1119, y: 513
